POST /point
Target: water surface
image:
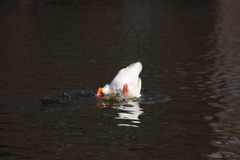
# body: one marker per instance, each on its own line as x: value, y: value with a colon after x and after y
x: 190, y: 55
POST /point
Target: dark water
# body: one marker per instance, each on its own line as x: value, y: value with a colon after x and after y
x: 190, y: 51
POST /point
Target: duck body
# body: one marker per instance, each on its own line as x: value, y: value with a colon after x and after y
x: 127, y: 81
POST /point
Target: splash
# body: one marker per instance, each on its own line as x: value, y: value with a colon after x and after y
x: 147, y: 97
x: 115, y: 96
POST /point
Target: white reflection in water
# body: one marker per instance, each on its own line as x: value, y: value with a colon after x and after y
x: 131, y: 112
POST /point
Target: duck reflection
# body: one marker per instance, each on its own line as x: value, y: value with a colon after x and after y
x: 129, y: 112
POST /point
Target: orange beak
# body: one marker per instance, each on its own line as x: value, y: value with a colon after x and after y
x: 125, y: 89
x: 99, y: 92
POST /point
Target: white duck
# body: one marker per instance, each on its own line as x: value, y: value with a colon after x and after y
x: 127, y: 81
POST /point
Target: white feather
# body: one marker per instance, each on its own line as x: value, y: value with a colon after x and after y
x: 130, y: 76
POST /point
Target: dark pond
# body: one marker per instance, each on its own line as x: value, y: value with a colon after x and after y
x: 190, y: 51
